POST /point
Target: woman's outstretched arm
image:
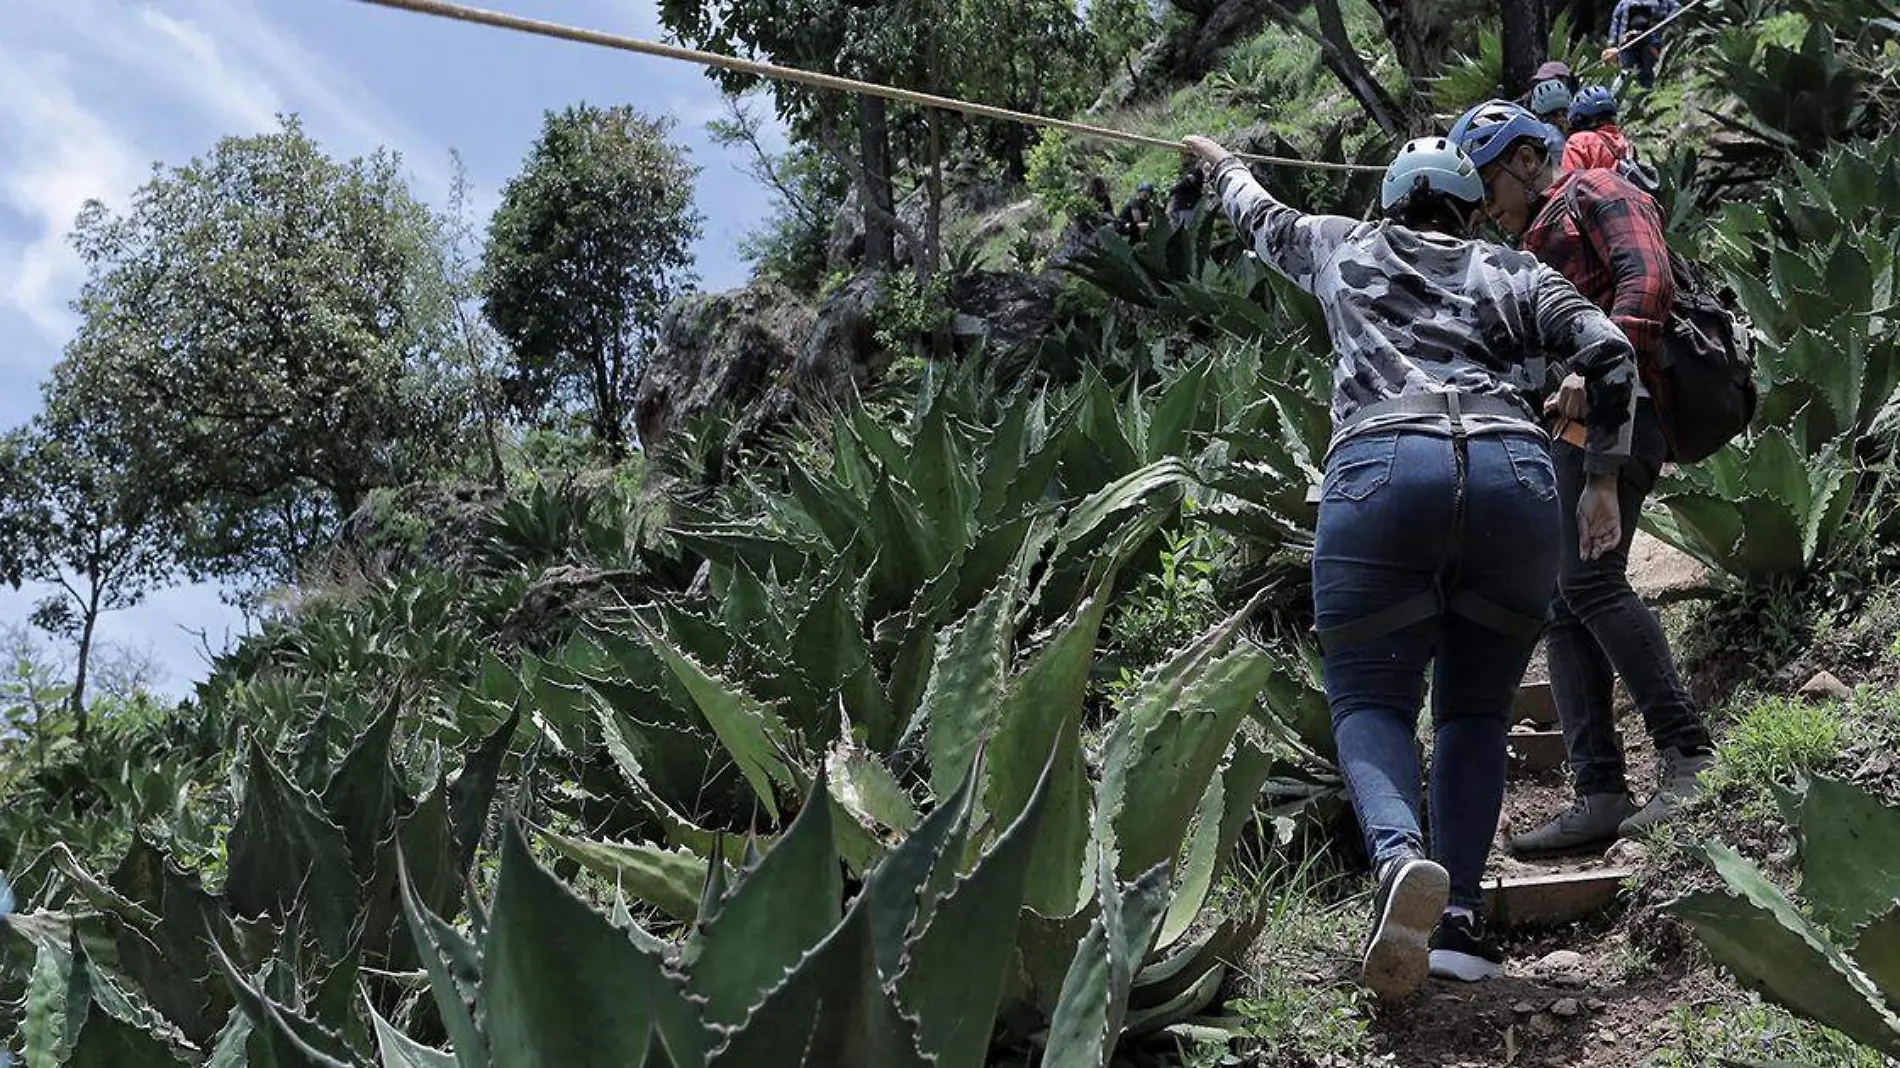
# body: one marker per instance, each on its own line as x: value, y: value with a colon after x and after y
x: 1289, y: 240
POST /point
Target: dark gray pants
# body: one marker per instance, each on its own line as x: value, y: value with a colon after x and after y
x: 1600, y: 629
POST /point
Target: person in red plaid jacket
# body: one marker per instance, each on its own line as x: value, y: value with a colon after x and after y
x: 1606, y: 237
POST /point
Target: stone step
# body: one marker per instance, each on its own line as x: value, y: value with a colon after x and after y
x: 1535, y: 704
x: 1534, y: 752
x: 1514, y: 901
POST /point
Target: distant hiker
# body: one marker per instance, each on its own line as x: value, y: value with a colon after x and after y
x: 1596, y: 141
x: 1630, y: 20
x: 1437, y: 536
x: 1097, y: 193
x: 1185, y: 198
x: 1555, y: 70
x: 1138, y: 214
x: 1606, y: 237
x: 1550, y: 101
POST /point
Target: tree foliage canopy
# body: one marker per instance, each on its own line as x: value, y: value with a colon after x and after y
x: 262, y: 331
x: 592, y: 240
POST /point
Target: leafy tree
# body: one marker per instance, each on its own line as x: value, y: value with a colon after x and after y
x: 1121, y: 28
x: 808, y: 191
x: 80, y: 523
x: 853, y: 38
x: 592, y: 240
x: 263, y: 332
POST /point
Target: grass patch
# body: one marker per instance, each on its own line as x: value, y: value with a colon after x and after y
x: 1297, y: 1007
x: 1777, y: 740
x: 1732, y: 1030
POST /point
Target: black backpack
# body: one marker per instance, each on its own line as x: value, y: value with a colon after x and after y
x: 1640, y: 16
x: 1707, y: 364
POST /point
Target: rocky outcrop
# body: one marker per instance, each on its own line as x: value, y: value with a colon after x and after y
x: 1003, y: 310
x: 412, y: 527
x: 719, y: 349
x: 765, y: 355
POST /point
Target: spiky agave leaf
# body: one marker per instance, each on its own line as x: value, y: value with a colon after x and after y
x: 560, y: 986
x: 1760, y: 936
x: 954, y: 969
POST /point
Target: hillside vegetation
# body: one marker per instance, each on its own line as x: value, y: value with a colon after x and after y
x: 929, y: 678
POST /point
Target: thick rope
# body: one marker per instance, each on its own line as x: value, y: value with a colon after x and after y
x: 502, y: 20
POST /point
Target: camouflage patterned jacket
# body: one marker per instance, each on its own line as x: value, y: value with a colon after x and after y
x: 1412, y: 313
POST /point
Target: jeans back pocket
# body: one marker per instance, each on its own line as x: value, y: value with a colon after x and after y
x: 1358, y: 469
x: 1530, y: 461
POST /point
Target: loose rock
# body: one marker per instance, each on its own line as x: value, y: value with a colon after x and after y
x: 1825, y: 687
x: 1559, y: 962
x: 1565, y: 1007
x: 1627, y: 853
x: 1523, y: 1008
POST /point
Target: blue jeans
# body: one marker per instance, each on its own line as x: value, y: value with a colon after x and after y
x: 1392, y: 524
x: 1600, y: 628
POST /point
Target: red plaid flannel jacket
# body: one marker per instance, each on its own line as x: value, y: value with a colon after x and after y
x: 1606, y: 236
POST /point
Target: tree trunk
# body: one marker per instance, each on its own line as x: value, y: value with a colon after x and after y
x: 84, y: 660
x: 874, y: 157
x: 1335, y: 47
x: 1417, y: 36
x: 1526, y: 37
x: 609, y: 426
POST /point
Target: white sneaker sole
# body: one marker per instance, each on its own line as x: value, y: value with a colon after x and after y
x: 1398, y: 955
x: 1451, y: 964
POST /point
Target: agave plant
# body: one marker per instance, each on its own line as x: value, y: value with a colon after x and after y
x: 1836, y: 961
x: 1760, y: 508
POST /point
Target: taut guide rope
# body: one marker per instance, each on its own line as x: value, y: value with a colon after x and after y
x: 505, y: 21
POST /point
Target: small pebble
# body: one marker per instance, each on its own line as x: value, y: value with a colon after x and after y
x: 1596, y: 1004
x: 1523, y: 1008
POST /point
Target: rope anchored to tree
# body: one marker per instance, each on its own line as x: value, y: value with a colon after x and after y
x: 505, y: 21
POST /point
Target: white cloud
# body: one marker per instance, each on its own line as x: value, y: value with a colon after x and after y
x: 69, y: 69
x: 201, y: 69
x: 60, y: 155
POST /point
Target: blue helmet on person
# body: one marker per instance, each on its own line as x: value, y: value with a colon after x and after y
x: 1595, y: 103
x: 1431, y: 163
x: 1488, y: 131
x: 1550, y: 95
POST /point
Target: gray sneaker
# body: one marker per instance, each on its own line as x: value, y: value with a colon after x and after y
x: 1678, y: 776
x: 1592, y: 820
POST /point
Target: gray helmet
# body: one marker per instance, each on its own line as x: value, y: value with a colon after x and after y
x: 1550, y: 95
x: 1437, y: 163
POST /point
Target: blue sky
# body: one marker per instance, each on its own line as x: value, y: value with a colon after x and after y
x: 93, y: 92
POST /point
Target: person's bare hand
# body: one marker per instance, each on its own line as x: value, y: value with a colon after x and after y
x: 1610, y: 54
x: 1206, y: 149
x: 1599, y: 517
x: 1570, y: 400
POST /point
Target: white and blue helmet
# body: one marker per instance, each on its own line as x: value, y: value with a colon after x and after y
x: 1433, y: 163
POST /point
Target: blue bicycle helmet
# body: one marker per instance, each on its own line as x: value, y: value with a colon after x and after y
x: 1488, y: 131
x: 1435, y: 163
x: 1595, y: 103
x: 1550, y: 95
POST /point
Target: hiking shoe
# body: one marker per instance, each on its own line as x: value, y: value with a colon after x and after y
x: 1677, y: 780
x: 1412, y: 895
x: 1591, y: 820
x: 1464, y: 949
